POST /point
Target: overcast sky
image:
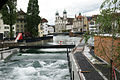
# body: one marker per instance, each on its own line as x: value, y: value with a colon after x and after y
x: 48, y: 8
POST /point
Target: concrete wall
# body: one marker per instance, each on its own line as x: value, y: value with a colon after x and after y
x: 41, y: 42
x: 4, y: 45
x: 6, y: 54
x: 103, y: 49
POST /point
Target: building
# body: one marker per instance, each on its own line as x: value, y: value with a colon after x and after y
x: 65, y: 24
x: 20, y: 23
x: 5, y: 29
x: 86, y: 25
x: 61, y: 23
x: 43, y: 28
x: 93, y: 27
x: 80, y: 23
x: 50, y: 29
x: 40, y: 30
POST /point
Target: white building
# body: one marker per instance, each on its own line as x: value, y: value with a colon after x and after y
x: 62, y: 22
x: 69, y: 27
x: 50, y: 29
x: 5, y: 29
x: 43, y: 28
x: 92, y: 26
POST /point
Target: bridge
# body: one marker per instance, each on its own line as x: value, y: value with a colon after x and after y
x: 43, y: 46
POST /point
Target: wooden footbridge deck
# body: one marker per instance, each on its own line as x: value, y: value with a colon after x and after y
x: 43, y: 46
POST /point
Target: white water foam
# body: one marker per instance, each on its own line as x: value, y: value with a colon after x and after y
x: 50, y: 71
x: 23, y: 73
x: 52, y: 50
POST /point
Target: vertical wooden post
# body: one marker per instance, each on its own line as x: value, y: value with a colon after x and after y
x: 72, y: 75
x: 1, y: 55
x: 69, y: 64
x: 111, y: 61
x: 2, y: 50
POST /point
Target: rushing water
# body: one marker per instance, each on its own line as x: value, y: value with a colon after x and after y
x: 50, y: 64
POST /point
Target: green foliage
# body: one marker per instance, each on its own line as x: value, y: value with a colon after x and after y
x: 9, y: 14
x: 32, y: 18
x: 86, y: 37
x: 105, y: 21
x: 111, y: 4
x: 109, y: 19
x: 109, y: 22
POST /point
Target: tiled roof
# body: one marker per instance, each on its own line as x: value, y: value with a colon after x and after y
x: 21, y: 12
x: 79, y: 17
x: 89, y: 18
x: 44, y: 20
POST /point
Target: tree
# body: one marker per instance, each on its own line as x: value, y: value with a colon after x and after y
x: 2, y: 2
x: 109, y: 18
x: 32, y: 18
x: 9, y: 14
x: 109, y: 22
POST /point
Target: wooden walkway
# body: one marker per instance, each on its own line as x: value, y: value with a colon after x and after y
x: 45, y: 46
x: 85, y: 66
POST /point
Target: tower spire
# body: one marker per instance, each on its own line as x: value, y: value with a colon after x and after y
x: 64, y: 14
x: 56, y: 13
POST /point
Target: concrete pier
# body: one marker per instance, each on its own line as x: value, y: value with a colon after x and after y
x: 4, y: 54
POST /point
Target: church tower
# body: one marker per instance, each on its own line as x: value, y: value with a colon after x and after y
x: 56, y: 15
x: 64, y: 14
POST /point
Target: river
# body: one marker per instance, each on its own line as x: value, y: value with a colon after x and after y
x: 43, y: 64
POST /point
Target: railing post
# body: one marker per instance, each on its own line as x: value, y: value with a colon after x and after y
x: 2, y: 50
x: 1, y: 55
x: 111, y: 61
x: 69, y: 64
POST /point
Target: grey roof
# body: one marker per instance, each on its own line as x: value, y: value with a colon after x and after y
x: 70, y: 21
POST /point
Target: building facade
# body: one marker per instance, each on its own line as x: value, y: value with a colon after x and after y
x: 50, y: 29
x: 93, y: 27
x: 40, y: 30
x: 62, y: 22
x: 80, y: 23
x: 5, y: 29
x: 65, y: 24
x: 43, y: 28
x: 20, y: 23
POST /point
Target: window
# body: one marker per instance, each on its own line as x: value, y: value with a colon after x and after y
x: 6, y: 33
x: 91, y: 23
x: 17, y: 30
x: 17, y: 26
x: 6, y: 27
x: 21, y: 30
x: 21, y: 26
x: 84, y: 25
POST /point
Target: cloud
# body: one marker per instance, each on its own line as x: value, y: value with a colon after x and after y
x: 49, y: 7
